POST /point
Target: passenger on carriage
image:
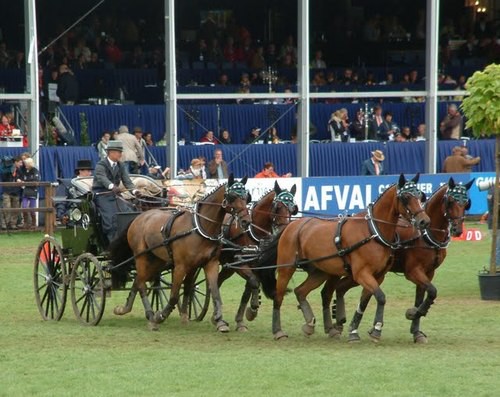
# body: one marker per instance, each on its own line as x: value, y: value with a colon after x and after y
x: 109, y: 172
x: 83, y: 169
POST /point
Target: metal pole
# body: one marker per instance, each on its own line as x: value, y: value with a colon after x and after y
x: 32, y: 75
x: 303, y: 89
x: 170, y: 87
x: 431, y: 71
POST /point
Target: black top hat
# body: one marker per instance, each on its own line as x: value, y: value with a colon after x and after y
x: 84, y: 165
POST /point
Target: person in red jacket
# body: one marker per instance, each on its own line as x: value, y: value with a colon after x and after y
x: 268, y: 172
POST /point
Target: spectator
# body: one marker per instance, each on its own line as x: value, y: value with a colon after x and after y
x: 388, y: 128
x: 254, y: 135
x: 399, y: 137
x: 67, y: 86
x: 374, y: 165
x: 457, y: 162
x: 133, y: 153
x: 148, y: 139
x: 338, y: 125
x: 451, y: 126
x: 318, y: 62
x: 30, y: 193
x: 406, y: 133
x: 217, y: 167
x: 138, y: 135
x: 103, y: 144
x: 195, y: 169
x: 421, y: 132
x: 155, y: 172
x: 268, y: 172
x: 272, y: 136
x: 11, y: 195
x: 203, y: 167
x: 375, y: 122
x: 209, y: 137
x: 357, y: 127
x: 6, y: 127
x: 225, y: 137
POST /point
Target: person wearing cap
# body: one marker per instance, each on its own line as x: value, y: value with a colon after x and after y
x: 254, y: 135
x: 83, y: 169
x: 195, y: 169
x: 133, y: 152
x: 109, y: 173
x: 374, y: 165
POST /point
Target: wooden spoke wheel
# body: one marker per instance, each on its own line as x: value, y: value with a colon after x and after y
x: 87, y: 287
x: 159, y: 290
x: 199, y: 301
x: 50, y: 279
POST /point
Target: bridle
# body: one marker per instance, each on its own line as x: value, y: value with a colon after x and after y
x: 410, y: 189
x: 233, y: 192
x: 459, y: 195
x: 286, y: 199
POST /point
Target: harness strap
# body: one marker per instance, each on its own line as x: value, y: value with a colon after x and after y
x: 167, y: 239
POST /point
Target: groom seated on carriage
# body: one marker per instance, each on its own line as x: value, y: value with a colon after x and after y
x: 109, y: 172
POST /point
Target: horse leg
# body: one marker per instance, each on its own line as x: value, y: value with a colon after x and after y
x: 338, y: 308
x: 178, y: 275
x: 245, y: 297
x: 421, y: 309
x: 188, y: 291
x: 129, y: 303
x: 376, y: 332
x: 252, y: 311
x: 212, y: 272
x: 313, y: 280
x: 283, y: 277
x: 358, y: 316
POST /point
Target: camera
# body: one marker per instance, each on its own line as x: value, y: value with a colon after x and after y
x: 485, y: 185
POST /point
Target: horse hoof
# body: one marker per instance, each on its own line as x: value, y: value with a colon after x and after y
x: 153, y: 326
x: 184, y: 319
x: 280, y: 335
x: 420, y: 338
x: 241, y: 328
x: 375, y: 335
x: 353, y: 337
x: 411, y: 313
x: 251, y: 314
x: 334, y: 333
x: 222, y: 326
x: 119, y: 310
x: 307, y: 329
x: 158, y: 318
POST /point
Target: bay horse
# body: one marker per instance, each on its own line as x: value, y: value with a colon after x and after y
x: 418, y: 257
x: 269, y: 215
x: 359, y: 245
x: 182, y: 240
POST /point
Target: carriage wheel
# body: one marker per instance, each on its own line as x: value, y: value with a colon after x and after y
x: 50, y: 279
x: 88, y: 294
x: 158, y: 290
x: 200, y: 297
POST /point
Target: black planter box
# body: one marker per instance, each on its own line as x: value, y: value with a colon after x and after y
x: 489, y: 286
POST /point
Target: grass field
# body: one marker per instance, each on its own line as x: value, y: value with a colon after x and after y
x: 122, y: 357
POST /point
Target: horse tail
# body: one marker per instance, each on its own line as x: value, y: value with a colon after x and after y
x: 266, y: 265
x: 119, y: 252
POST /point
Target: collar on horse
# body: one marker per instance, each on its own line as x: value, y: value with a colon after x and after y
x: 374, y: 230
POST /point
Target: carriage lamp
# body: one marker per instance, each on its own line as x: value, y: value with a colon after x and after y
x: 75, y: 215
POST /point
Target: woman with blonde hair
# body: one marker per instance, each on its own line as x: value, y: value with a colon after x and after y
x: 338, y: 125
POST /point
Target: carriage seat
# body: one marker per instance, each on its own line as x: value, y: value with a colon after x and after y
x: 146, y: 185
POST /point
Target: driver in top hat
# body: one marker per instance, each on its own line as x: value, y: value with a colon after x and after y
x: 109, y: 172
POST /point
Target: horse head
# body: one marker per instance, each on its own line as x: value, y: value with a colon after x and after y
x: 283, y: 206
x: 236, y: 199
x: 410, y: 199
x: 456, y: 202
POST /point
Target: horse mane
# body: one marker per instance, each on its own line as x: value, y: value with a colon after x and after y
x: 435, y: 194
x: 212, y: 192
x: 266, y: 193
x: 383, y: 193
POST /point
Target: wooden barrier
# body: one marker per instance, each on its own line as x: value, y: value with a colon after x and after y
x: 49, y: 210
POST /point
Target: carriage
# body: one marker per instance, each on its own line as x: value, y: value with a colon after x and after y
x: 80, y: 266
